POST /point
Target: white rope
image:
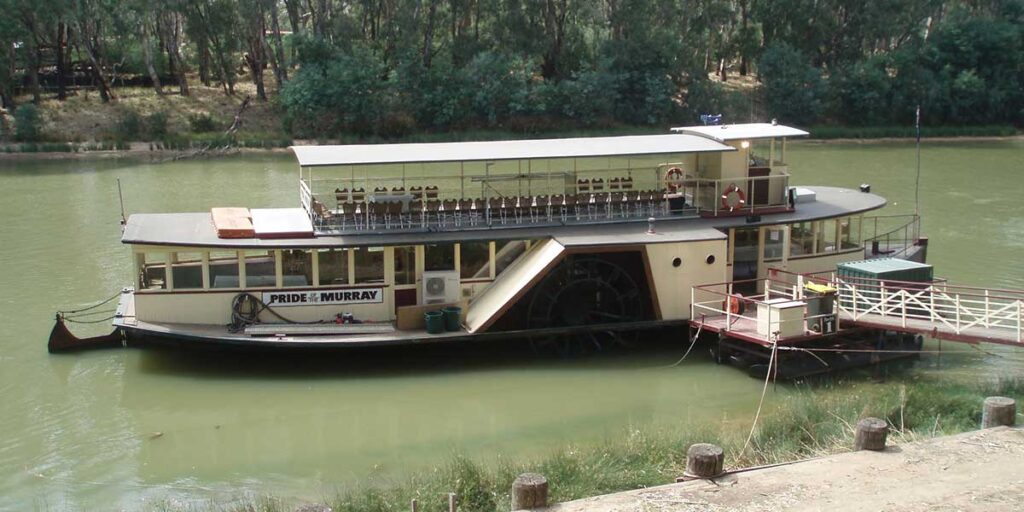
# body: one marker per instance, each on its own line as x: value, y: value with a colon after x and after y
x: 692, y: 343
x: 760, y: 404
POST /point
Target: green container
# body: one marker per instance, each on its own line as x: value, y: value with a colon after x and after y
x: 887, y: 269
x: 452, y: 318
x: 435, y: 322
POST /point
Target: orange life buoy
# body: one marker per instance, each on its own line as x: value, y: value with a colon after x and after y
x: 733, y: 189
x: 734, y: 304
x: 672, y: 178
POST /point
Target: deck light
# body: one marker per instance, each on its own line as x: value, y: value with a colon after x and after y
x: 745, y: 144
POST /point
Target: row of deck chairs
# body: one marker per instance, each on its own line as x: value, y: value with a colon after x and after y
x: 500, y: 210
x: 358, y: 195
x: 597, y: 185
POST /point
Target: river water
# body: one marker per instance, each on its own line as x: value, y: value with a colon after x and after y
x: 127, y: 429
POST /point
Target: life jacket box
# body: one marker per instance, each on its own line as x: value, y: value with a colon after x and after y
x: 782, y: 316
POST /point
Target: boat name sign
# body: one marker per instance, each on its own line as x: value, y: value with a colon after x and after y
x: 324, y: 297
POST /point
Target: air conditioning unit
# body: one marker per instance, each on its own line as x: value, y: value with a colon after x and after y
x: 440, y: 287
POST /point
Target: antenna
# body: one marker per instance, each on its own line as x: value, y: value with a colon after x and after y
x: 917, y: 180
x: 120, y: 199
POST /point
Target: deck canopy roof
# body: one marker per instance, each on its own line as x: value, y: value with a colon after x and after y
x: 727, y: 132
x: 581, y: 147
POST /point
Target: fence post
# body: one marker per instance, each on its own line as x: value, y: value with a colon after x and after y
x: 882, y: 299
x: 903, y: 306
x: 986, y: 308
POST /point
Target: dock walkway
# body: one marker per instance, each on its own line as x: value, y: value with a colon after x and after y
x: 975, y: 471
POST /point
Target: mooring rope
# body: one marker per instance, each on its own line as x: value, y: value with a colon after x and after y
x: 97, y: 321
x: 764, y: 391
x: 693, y: 342
x: 87, y: 308
x: 246, y: 309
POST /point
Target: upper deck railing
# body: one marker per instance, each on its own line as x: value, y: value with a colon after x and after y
x: 351, y: 204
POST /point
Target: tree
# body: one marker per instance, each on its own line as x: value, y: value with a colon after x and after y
x: 792, y: 87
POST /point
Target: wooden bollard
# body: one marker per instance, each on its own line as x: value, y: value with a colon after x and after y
x: 871, y: 434
x: 529, y: 490
x: 704, y: 460
x: 999, y: 411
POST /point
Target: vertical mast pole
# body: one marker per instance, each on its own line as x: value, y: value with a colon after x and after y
x: 917, y: 180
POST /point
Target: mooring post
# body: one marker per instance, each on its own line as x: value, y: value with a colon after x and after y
x: 704, y: 460
x: 414, y: 506
x: 871, y: 434
x: 999, y: 411
x: 452, y: 502
x: 529, y: 491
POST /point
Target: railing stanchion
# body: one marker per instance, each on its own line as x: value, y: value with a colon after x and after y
x: 986, y: 309
x: 957, y: 301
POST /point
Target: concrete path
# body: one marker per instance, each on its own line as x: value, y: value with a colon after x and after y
x: 975, y: 471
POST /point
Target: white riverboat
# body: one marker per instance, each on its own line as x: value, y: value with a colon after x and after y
x: 539, y: 239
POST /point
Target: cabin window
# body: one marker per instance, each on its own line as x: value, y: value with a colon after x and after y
x: 333, y: 266
x: 297, y: 267
x: 439, y: 257
x: 405, y: 265
x: 828, y: 236
x: 259, y: 269
x: 154, y: 271
x: 849, y: 232
x: 187, y: 270
x: 507, y: 252
x: 369, y: 265
x: 475, y: 260
x: 801, y: 239
x: 223, y: 269
x: 773, y: 242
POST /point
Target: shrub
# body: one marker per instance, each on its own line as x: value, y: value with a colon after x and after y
x: 156, y: 125
x: 27, y: 123
x: 202, y: 123
x: 129, y: 127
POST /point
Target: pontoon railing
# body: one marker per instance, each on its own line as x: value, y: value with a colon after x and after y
x: 891, y: 234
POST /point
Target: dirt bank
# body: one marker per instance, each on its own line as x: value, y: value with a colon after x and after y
x: 975, y: 471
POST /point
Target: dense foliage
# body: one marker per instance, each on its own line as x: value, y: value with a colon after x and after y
x: 392, y: 67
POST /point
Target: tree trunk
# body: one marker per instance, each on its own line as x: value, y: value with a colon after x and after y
x: 89, y: 45
x: 428, y: 33
x: 61, y: 52
x: 203, y: 54
x: 33, y: 69
x: 277, y: 53
x: 147, y: 56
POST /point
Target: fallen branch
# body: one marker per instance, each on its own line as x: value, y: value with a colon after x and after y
x: 238, y: 116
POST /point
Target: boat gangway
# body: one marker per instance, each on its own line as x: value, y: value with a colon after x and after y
x: 792, y: 309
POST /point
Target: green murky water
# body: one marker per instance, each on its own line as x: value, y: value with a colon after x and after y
x: 129, y: 428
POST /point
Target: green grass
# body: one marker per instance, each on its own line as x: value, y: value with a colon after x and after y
x: 889, y: 132
x: 803, y: 421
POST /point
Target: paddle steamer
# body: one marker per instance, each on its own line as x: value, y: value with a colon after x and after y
x: 552, y: 240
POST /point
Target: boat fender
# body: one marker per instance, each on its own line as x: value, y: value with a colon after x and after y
x: 733, y: 189
x: 672, y: 178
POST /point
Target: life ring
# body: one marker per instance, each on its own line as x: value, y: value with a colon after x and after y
x: 733, y: 189
x: 672, y: 178
x: 734, y: 304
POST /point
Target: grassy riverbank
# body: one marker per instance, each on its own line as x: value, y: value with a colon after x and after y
x: 800, y: 422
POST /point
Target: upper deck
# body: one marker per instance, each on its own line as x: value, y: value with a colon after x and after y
x: 455, y: 186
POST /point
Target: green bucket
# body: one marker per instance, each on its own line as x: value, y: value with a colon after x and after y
x: 435, y: 322
x: 452, y: 317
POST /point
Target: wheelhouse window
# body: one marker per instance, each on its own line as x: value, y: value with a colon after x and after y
x: 223, y: 269
x: 439, y: 257
x: 259, y: 269
x: 154, y: 271
x: 187, y: 270
x: 369, y: 264
x: 828, y: 236
x: 475, y: 260
x: 333, y: 266
x: 297, y: 267
x: 405, y: 265
x: 801, y: 239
